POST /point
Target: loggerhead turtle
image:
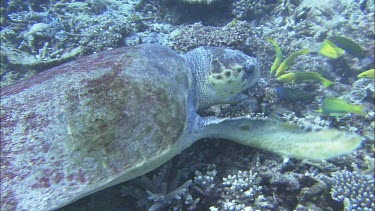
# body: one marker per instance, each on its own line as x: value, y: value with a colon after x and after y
x: 106, y: 118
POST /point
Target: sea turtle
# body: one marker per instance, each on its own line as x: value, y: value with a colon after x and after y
x: 109, y: 117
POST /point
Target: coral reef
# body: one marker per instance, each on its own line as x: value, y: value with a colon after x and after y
x: 194, y: 35
x: 175, y: 199
x: 362, y: 89
x: 248, y: 9
x: 38, y: 38
x: 285, y: 7
x: 355, y: 189
x: 241, y: 189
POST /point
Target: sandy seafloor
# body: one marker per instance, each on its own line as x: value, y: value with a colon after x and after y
x: 218, y: 174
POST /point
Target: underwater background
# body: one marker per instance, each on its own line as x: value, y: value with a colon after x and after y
x: 333, y: 39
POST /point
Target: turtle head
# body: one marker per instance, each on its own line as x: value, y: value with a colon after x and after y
x: 231, y: 72
x: 222, y: 75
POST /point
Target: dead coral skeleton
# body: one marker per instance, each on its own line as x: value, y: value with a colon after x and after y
x: 285, y: 8
x: 168, y: 188
x: 155, y: 193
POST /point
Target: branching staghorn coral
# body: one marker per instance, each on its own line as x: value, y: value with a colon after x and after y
x: 355, y: 189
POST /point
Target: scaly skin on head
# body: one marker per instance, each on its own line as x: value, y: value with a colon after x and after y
x: 221, y: 75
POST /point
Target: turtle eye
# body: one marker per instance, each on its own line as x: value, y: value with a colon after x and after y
x: 249, y: 69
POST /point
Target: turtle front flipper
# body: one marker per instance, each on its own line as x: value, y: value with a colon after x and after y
x: 284, y: 139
